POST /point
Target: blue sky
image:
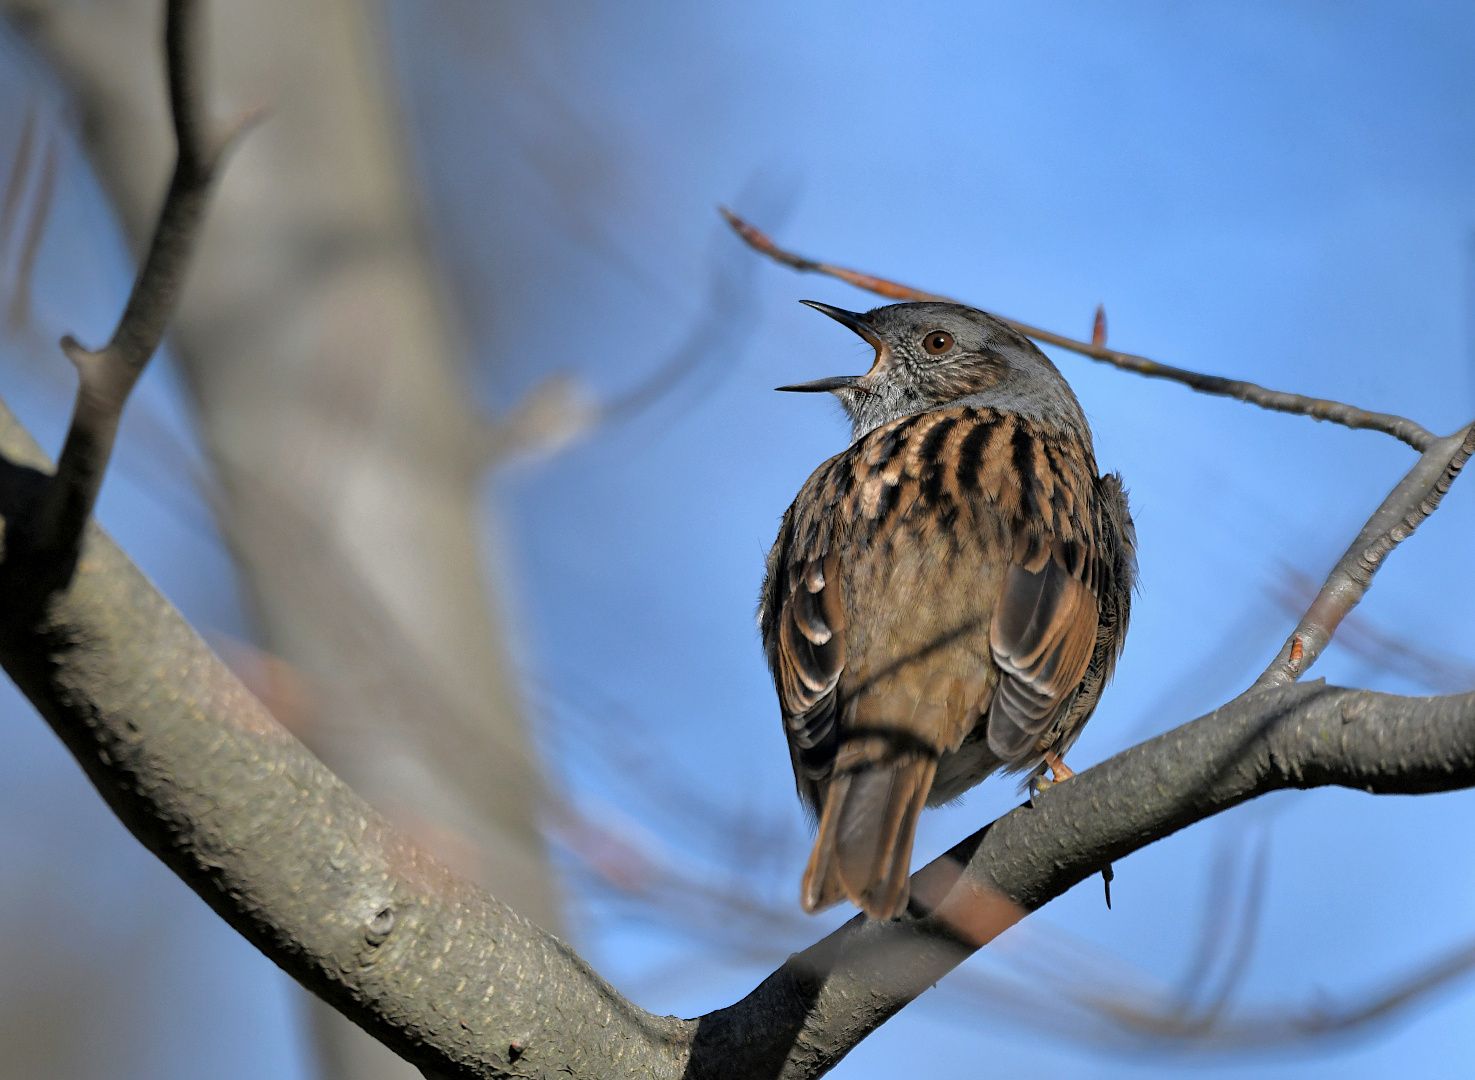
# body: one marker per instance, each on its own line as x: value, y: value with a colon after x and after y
x: 1283, y: 193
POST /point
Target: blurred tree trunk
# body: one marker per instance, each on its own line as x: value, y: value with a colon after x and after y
x: 330, y: 397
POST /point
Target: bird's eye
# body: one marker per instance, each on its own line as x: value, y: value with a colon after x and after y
x: 937, y: 342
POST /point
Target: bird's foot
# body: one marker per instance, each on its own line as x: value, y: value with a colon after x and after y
x: 1059, y: 771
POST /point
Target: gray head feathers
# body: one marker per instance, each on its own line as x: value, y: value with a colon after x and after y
x: 932, y: 355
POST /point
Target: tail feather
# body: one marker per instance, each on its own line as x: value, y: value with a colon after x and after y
x: 821, y: 887
x: 864, y: 847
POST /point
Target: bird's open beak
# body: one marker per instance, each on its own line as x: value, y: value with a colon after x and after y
x: 818, y: 386
x: 851, y: 319
x: 856, y: 323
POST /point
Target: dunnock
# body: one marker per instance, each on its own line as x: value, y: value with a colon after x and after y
x: 947, y: 596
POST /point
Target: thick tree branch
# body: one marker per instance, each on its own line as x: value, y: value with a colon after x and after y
x: 206, y: 779
x: 107, y: 376
x: 1400, y: 427
x: 1416, y: 497
x: 458, y: 983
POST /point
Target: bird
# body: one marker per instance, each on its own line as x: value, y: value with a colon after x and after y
x: 946, y: 597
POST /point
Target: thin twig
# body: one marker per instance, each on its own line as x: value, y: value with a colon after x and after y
x: 552, y: 415
x: 1337, y: 412
x: 106, y: 376
x: 1438, y: 672
x: 1407, y: 505
x: 1242, y: 947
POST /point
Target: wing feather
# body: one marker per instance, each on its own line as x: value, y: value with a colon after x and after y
x: 1042, y: 635
x: 810, y: 658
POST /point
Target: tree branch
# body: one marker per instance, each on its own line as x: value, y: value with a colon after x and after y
x: 107, y: 376
x: 1297, y: 736
x: 1416, y: 497
x: 205, y: 778
x: 1400, y: 427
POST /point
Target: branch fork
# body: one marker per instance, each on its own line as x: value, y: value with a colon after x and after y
x: 106, y: 376
x: 1407, y: 506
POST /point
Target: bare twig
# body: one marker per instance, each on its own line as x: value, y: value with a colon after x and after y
x: 549, y: 417
x: 1438, y: 672
x: 1416, y: 497
x: 1240, y: 947
x: 107, y: 376
x: 42, y: 188
x: 1337, y: 412
x: 560, y: 410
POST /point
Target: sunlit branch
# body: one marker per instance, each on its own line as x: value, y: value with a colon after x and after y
x: 1416, y: 497
x: 1420, y: 662
x: 1337, y: 412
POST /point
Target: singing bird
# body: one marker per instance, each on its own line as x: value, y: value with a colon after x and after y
x: 947, y: 596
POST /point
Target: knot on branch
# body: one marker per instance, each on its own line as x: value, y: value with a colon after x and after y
x: 378, y: 929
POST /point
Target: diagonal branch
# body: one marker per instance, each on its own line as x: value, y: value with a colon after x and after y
x: 1420, y: 662
x: 106, y: 376
x: 1416, y: 497
x: 1337, y: 412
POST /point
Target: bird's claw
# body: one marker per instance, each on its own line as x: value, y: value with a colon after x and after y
x: 1059, y: 771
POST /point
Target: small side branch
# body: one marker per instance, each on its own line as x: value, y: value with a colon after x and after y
x: 1400, y: 427
x: 1416, y: 497
x: 107, y: 376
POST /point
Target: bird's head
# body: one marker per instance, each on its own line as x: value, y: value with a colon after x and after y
x: 930, y: 355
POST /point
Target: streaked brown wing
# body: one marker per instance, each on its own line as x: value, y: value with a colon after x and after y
x: 810, y: 655
x: 1043, y: 633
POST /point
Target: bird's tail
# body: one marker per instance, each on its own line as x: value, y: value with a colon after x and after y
x: 864, y: 848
